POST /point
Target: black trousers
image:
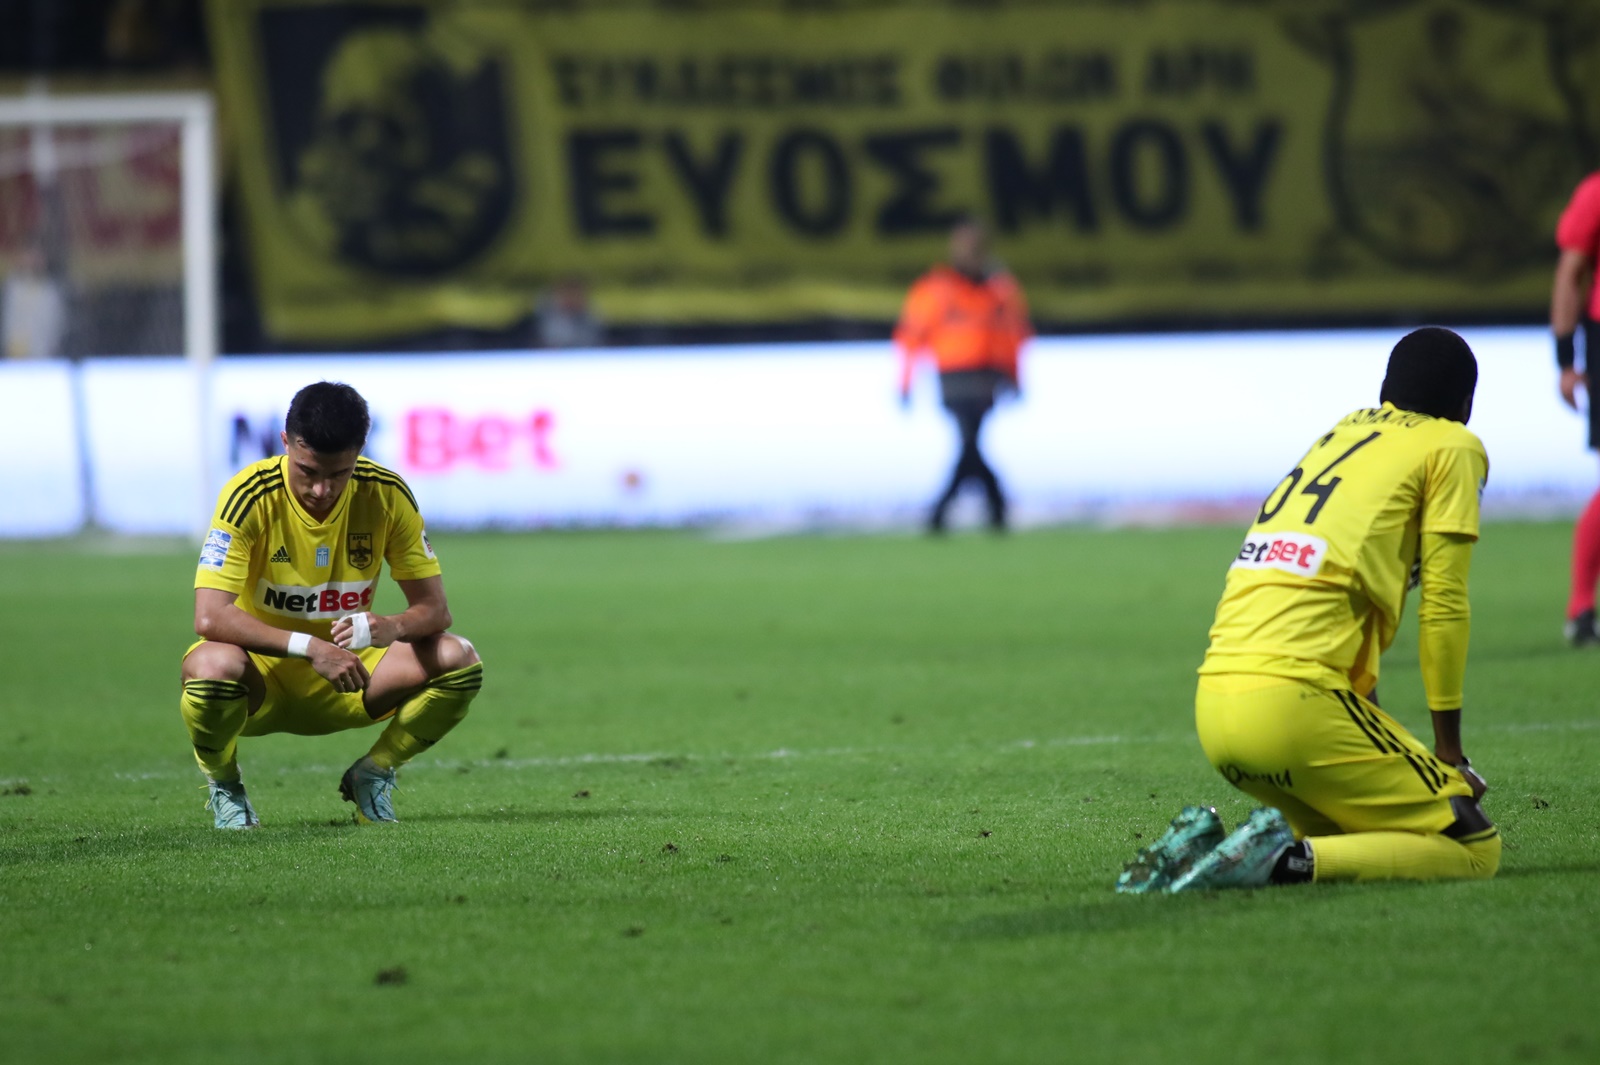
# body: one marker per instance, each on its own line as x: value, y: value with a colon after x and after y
x: 969, y: 397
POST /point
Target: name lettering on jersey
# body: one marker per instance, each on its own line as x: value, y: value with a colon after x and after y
x: 1405, y: 419
x: 1235, y: 775
x: 214, y: 552
x: 325, y: 601
x: 1291, y: 552
x: 359, y: 548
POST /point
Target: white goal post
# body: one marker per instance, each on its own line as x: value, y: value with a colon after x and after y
x: 193, y: 113
x: 108, y: 244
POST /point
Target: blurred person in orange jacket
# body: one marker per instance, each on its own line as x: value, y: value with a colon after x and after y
x: 970, y: 316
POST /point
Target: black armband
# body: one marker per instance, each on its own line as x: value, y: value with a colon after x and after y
x: 1566, y: 352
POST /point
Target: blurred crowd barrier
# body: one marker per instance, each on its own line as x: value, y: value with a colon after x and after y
x: 1175, y: 427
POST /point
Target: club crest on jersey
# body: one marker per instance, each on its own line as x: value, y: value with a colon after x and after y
x: 1291, y: 552
x: 359, y: 550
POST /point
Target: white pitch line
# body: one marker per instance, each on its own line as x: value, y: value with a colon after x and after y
x: 787, y: 753
x: 646, y: 757
x: 1541, y: 726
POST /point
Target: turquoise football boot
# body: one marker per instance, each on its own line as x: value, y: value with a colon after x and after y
x: 1243, y: 860
x: 229, y: 805
x: 1192, y: 834
x: 370, y: 789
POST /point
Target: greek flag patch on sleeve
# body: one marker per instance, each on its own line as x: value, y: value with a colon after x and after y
x: 214, y: 552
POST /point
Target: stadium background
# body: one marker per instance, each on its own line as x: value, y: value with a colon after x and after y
x: 409, y: 177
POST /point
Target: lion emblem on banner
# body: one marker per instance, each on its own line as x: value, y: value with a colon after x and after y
x: 1457, y: 128
x: 401, y: 165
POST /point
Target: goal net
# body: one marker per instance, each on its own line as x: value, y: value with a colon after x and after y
x: 107, y: 226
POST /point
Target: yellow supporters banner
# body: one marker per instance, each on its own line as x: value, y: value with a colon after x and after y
x: 408, y: 164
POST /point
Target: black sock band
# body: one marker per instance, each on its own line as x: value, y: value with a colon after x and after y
x: 1295, y: 865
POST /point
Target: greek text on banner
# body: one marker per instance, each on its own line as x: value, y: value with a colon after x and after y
x: 416, y: 163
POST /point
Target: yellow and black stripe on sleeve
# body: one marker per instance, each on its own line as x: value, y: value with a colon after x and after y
x: 369, y: 472
x: 249, y: 492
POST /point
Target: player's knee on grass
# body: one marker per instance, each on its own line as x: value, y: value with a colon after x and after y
x: 1477, y: 836
x: 216, y: 661
x: 1484, y: 854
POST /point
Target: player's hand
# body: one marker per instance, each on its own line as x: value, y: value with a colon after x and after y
x: 340, y: 668
x: 1478, y: 785
x: 1464, y: 767
x: 1571, y: 381
x: 384, y: 631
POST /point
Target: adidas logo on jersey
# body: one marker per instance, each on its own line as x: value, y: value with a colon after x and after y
x: 280, y: 555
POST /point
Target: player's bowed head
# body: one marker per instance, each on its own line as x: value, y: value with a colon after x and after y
x: 323, y: 435
x: 1432, y: 371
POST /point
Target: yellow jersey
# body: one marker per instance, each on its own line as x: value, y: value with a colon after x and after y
x: 1317, y: 590
x: 300, y: 574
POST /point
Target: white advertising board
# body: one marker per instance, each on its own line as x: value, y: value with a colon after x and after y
x: 793, y: 433
x: 144, y: 444
x: 41, y: 468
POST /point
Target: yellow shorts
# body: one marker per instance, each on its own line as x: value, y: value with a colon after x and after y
x: 300, y: 701
x: 1330, y: 760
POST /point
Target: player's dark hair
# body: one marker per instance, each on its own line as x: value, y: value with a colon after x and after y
x: 330, y: 417
x: 1431, y: 371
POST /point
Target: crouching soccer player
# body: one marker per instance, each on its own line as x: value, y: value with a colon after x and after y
x: 281, y: 603
x: 1287, y: 707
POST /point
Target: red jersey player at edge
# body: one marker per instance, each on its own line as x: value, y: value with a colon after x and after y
x: 970, y: 316
x: 1574, y: 299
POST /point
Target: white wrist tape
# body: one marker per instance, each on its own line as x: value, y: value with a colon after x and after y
x: 360, y: 632
x: 299, y: 643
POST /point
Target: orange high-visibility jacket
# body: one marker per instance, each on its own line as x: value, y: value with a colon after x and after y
x: 964, y: 324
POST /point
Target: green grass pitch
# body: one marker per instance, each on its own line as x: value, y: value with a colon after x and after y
x: 795, y: 800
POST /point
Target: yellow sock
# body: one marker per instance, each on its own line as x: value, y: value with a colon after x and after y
x: 1405, y: 856
x: 423, y: 719
x: 215, y: 712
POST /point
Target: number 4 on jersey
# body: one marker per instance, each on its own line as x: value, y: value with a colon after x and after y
x: 1319, y: 487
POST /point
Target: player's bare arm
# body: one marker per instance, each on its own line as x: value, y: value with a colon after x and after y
x: 1574, y: 276
x: 218, y: 620
x: 426, y: 614
x: 1447, y: 748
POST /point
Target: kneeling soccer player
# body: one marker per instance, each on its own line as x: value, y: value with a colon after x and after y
x: 1286, y: 708
x: 281, y: 601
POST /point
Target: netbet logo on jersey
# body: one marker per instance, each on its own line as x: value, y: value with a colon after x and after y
x: 324, y: 602
x: 1291, y: 552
